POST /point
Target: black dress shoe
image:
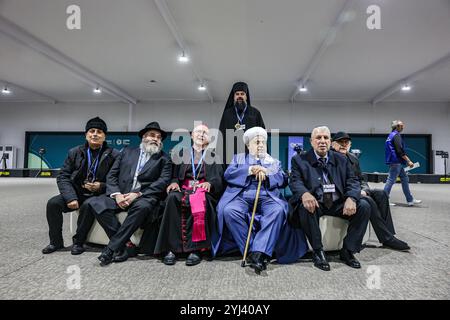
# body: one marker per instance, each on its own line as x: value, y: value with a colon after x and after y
x: 170, y: 259
x: 257, y: 262
x: 121, y: 256
x: 106, y: 257
x: 52, y: 248
x: 77, y: 249
x: 266, y: 261
x: 193, y: 259
x: 320, y: 261
x: 396, y: 244
x: 349, y: 259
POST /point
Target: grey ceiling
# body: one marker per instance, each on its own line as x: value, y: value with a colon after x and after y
x: 268, y: 43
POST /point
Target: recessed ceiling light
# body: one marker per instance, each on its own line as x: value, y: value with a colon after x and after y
x: 406, y: 87
x: 6, y: 90
x: 97, y: 90
x: 303, y: 89
x: 183, y: 58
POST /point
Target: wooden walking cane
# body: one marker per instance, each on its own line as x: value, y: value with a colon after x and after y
x: 251, y: 224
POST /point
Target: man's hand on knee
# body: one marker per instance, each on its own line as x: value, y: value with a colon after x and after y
x: 73, y: 205
x: 131, y: 197
x: 173, y: 186
x: 309, y: 202
x: 121, y: 202
x: 349, y: 207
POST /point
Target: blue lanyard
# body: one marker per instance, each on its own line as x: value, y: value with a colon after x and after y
x: 199, y: 164
x: 243, y: 114
x: 95, y: 164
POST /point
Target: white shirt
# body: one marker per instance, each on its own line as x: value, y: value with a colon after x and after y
x: 143, y: 158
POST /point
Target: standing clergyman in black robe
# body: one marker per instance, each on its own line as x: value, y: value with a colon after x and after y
x: 239, y: 115
x: 189, y: 217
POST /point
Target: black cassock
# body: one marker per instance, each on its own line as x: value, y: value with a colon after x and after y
x: 175, y: 233
x: 251, y: 118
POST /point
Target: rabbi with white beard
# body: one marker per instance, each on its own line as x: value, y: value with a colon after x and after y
x: 136, y: 183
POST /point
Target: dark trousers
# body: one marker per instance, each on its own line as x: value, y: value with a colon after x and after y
x: 56, y: 206
x: 380, y: 214
x: 86, y: 219
x: 119, y: 234
x: 357, y: 224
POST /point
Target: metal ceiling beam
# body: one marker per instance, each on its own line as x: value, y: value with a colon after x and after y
x: 170, y: 21
x: 410, y: 79
x: 328, y: 40
x: 22, y: 36
x: 13, y: 85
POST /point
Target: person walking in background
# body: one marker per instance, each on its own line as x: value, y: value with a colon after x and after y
x: 396, y: 157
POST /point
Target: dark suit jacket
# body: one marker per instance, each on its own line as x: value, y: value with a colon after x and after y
x: 354, y: 161
x: 306, y: 176
x: 154, y: 176
x: 70, y: 178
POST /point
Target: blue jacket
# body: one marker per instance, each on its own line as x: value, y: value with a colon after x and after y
x: 392, y: 155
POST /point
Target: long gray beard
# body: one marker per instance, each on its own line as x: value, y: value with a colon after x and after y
x: 151, y: 149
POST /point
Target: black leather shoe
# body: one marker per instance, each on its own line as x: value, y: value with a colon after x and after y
x: 106, y: 257
x: 396, y: 244
x: 257, y: 262
x: 170, y: 259
x: 320, y: 261
x: 77, y: 249
x: 193, y: 259
x: 349, y: 259
x: 52, y: 248
x: 266, y: 261
x: 121, y: 256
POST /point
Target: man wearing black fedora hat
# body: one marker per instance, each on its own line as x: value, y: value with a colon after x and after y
x: 81, y: 178
x: 380, y: 212
x: 135, y: 184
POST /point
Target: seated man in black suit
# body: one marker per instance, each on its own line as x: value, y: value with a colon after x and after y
x: 378, y: 199
x: 136, y: 183
x: 323, y: 183
x: 81, y: 178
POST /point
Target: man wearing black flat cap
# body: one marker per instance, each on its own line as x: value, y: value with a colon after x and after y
x: 380, y: 212
x: 238, y: 116
x: 82, y: 177
x: 136, y: 183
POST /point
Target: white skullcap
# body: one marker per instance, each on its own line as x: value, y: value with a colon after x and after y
x: 254, y: 132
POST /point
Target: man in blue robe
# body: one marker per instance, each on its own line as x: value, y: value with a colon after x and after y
x: 271, y: 235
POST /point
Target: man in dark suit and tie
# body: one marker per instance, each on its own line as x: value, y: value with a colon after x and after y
x: 323, y: 183
x: 135, y: 184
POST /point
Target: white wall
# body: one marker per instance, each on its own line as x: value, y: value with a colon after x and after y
x: 419, y: 118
